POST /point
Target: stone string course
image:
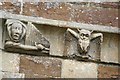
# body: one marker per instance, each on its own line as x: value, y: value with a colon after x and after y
x: 59, y: 23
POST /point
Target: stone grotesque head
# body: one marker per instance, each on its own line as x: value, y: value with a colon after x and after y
x: 84, y: 37
x: 84, y: 34
x: 16, y: 30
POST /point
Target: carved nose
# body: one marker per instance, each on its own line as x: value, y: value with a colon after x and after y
x: 17, y: 31
x: 83, y: 37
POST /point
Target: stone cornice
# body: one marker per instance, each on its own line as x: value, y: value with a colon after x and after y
x: 59, y: 23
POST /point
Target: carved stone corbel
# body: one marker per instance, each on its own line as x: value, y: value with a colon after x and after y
x: 84, y: 38
x: 16, y: 33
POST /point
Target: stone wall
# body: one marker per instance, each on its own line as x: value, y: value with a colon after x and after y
x: 85, y: 12
x: 58, y: 64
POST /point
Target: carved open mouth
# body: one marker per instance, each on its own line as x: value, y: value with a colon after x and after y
x: 16, y: 36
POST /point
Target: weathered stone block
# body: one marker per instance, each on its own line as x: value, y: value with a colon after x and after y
x: 11, y: 7
x: 1, y: 33
x: 50, y: 10
x: 10, y: 62
x: 0, y: 60
x: 56, y: 37
x: 12, y: 75
x: 0, y: 75
x: 110, y: 48
x: 70, y: 45
x: 119, y: 49
x: 105, y: 71
x: 74, y: 69
x: 95, y: 15
x: 40, y: 67
x: 34, y: 38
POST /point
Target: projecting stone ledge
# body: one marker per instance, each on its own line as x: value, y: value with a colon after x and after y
x: 59, y: 23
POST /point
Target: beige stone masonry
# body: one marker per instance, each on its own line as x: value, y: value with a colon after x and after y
x: 12, y: 75
x: 1, y: 33
x: 10, y: 62
x: 56, y: 38
x: 110, y: 48
x: 75, y: 69
x: 0, y: 60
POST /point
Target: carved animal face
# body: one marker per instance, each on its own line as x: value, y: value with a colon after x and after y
x: 16, y: 31
x: 84, y: 34
x: 84, y: 41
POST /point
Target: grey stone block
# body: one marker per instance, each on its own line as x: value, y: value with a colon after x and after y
x: 110, y: 48
x: 1, y: 33
x: 0, y: 60
x: 74, y: 69
x: 10, y: 62
x: 12, y: 75
x: 0, y: 75
x: 56, y: 38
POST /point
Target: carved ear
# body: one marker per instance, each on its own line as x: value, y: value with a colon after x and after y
x: 78, y: 30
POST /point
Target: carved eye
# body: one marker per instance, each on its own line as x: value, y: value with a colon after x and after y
x: 82, y: 34
x: 15, y: 27
x: 18, y: 28
x: 87, y: 35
